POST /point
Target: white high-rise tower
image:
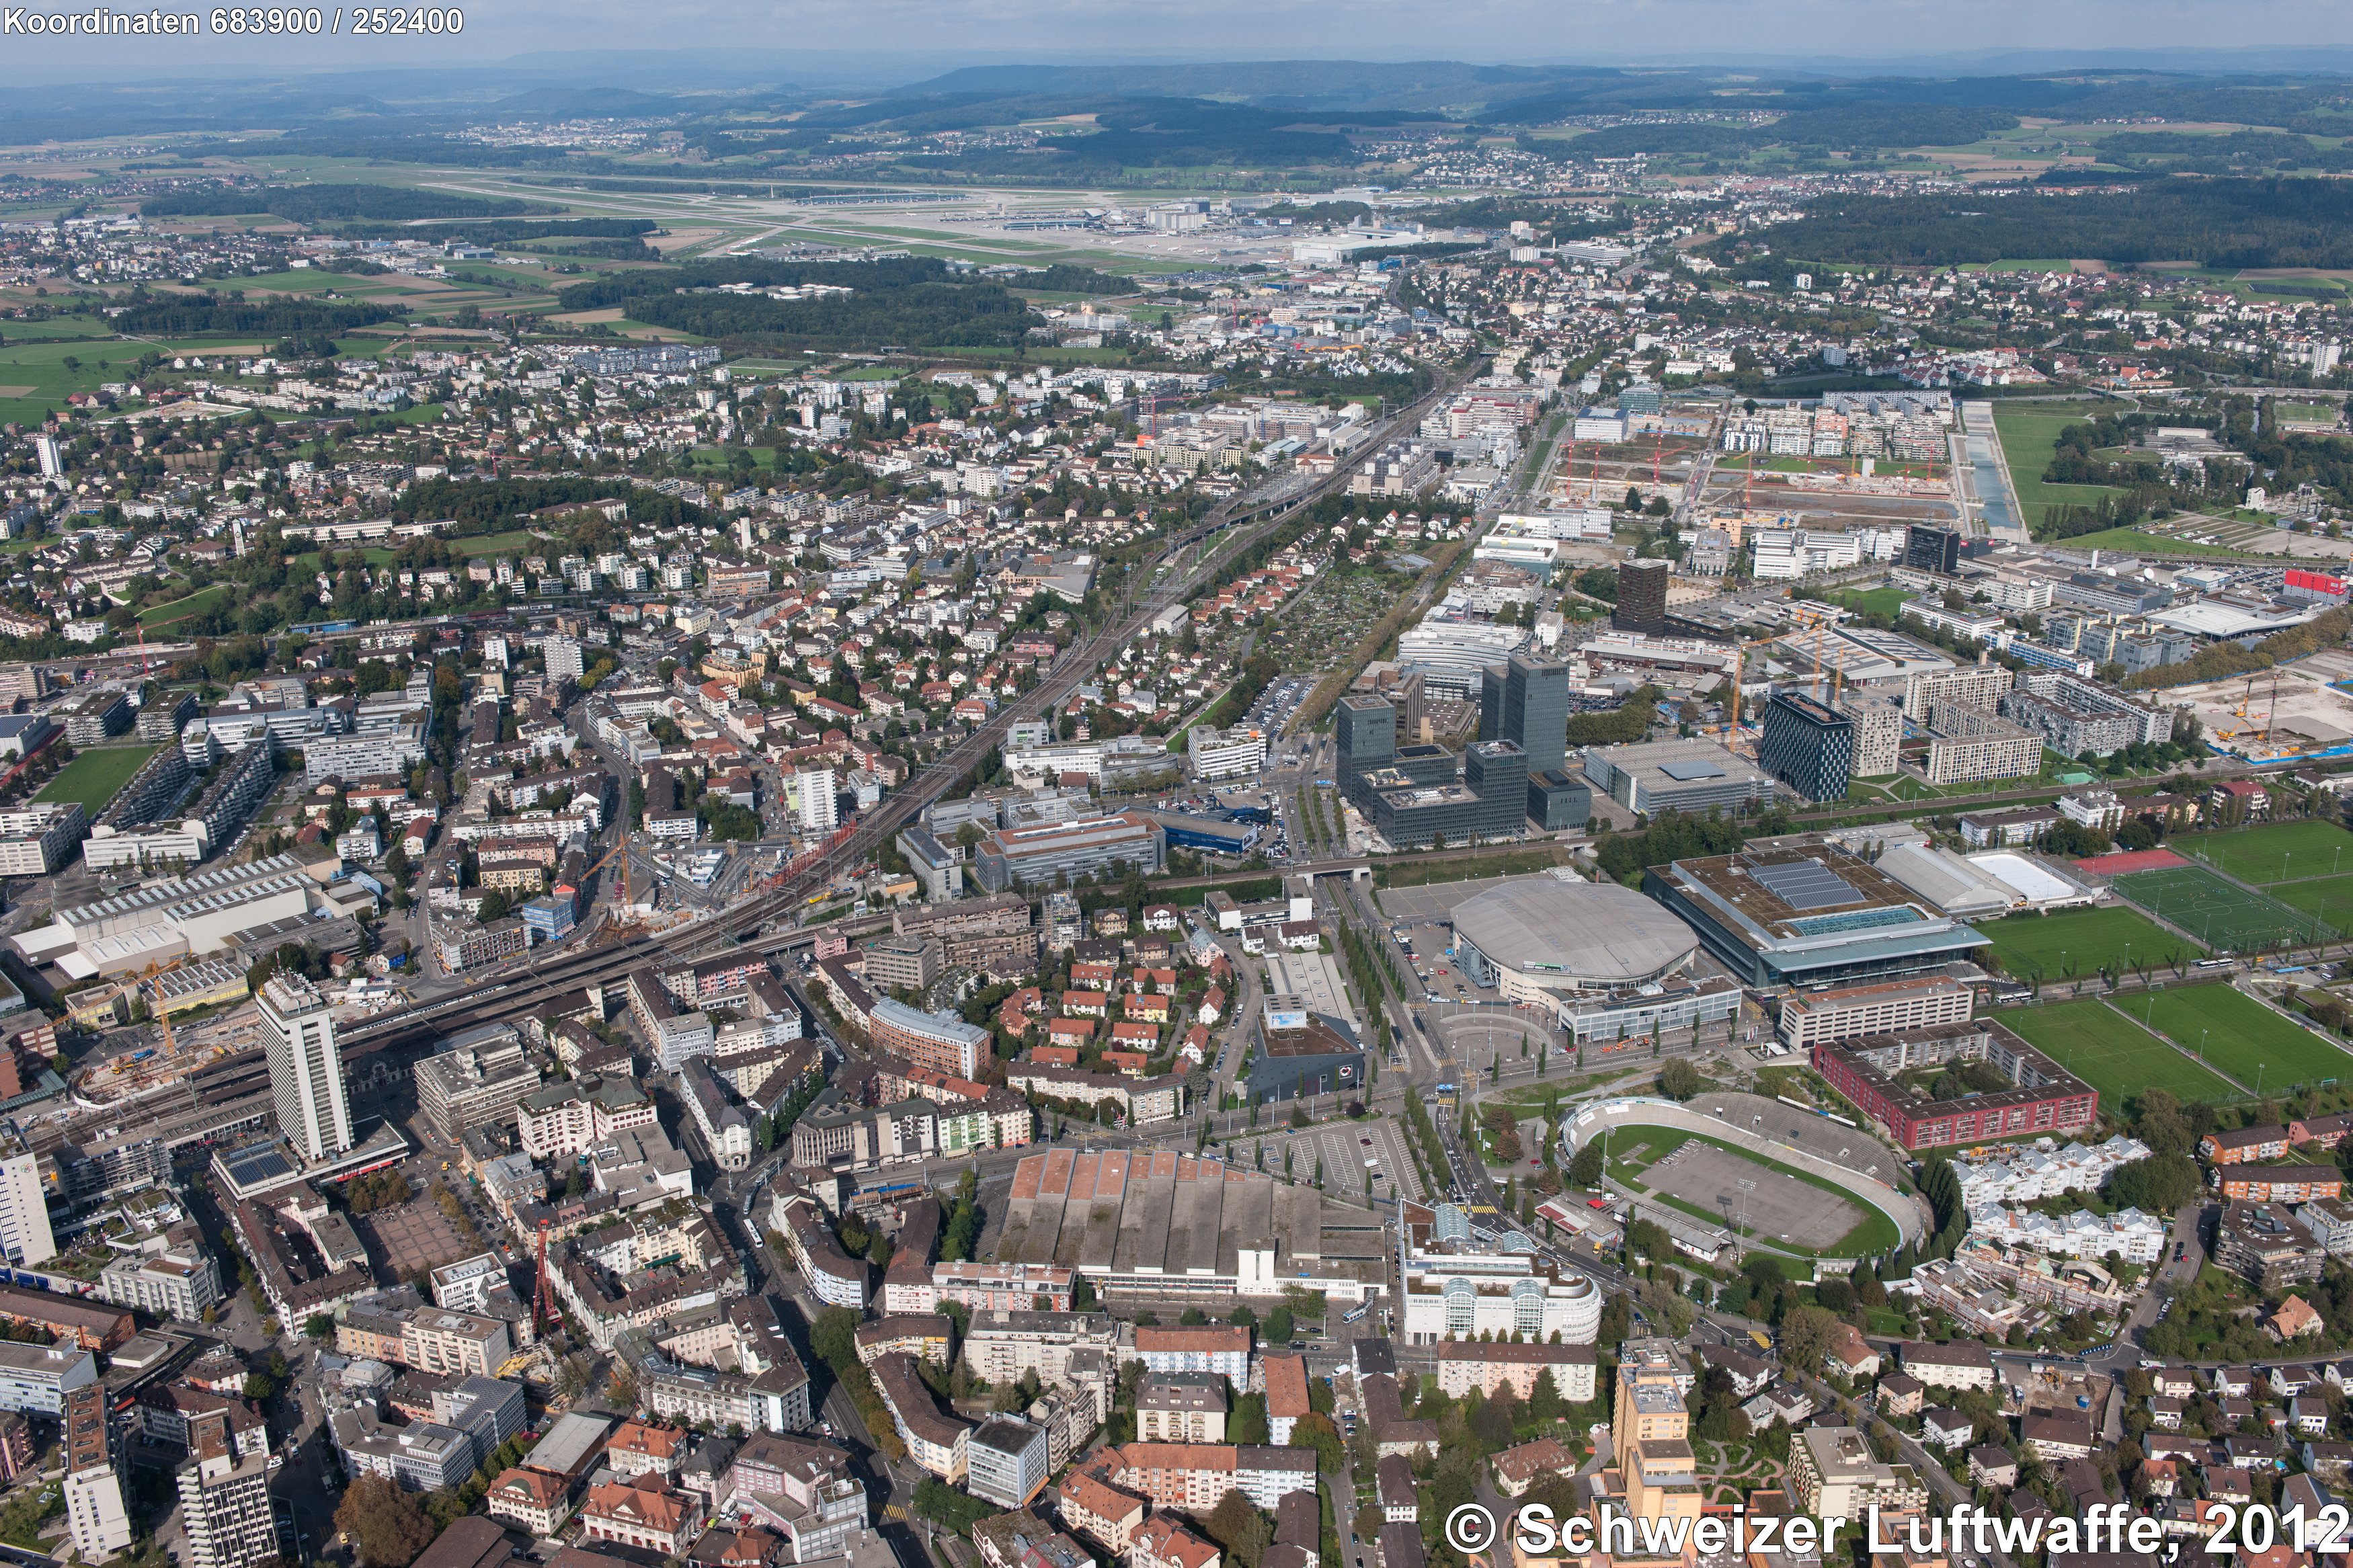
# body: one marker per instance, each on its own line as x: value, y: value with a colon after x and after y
x: 306, y: 1072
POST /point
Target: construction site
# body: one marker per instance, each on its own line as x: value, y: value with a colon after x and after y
x: 2289, y: 712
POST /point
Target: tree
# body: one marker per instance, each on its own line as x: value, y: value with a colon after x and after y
x: 385, y: 1524
x: 1239, y: 1528
x: 1278, y: 1326
x: 1584, y: 1171
x: 834, y: 1338
x: 1805, y: 1338
x: 1678, y: 1079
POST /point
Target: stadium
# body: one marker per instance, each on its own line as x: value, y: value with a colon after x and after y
x: 1536, y: 938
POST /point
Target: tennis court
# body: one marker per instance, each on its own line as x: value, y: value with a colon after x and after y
x: 2115, y: 1055
x: 2271, y: 852
x: 2243, y: 1037
x: 2223, y: 915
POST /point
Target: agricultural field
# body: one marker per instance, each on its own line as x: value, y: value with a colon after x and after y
x: 2271, y: 852
x: 2259, y: 1048
x: 2080, y: 941
x: 95, y: 776
x: 2114, y: 1054
x: 2223, y: 915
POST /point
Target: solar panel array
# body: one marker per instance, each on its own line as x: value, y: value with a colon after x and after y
x: 1807, y: 885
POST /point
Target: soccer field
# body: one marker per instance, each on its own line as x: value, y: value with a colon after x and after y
x: 2115, y: 1055
x: 2243, y: 1037
x: 2086, y: 940
x: 2223, y: 915
x: 2329, y: 899
x: 95, y: 776
x: 2271, y: 851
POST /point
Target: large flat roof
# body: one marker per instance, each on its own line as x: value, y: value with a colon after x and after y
x: 1592, y: 934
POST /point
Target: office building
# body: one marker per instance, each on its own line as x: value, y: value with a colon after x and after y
x: 225, y: 1512
x: 1365, y: 730
x: 306, y: 1072
x: 1648, y: 777
x: 1642, y: 597
x: 25, y: 1236
x: 1005, y: 1461
x: 1042, y: 855
x: 38, y: 1378
x: 1807, y: 745
x: 1559, y: 801
x: 1224, y: 753
x: 1536, y: 710
x: 1937, y: 550
x: 475, y: 1080
x: 1492, y: 801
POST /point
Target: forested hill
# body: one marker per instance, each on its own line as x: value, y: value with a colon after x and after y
x: 2215, y: 223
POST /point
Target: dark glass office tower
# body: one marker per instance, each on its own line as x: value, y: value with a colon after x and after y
x: 1642, y: 597
x: 1536, y: 710
x: 1807, y: 745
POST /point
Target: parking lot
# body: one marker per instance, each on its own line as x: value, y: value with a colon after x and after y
x: 1418, y: 915
x: 1342, y: 1145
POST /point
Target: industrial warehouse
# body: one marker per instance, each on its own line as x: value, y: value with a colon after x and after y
x: 1166, y: 1225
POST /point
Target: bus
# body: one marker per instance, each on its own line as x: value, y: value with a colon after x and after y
x: 1760, y: 1339
x: 2216, y: 963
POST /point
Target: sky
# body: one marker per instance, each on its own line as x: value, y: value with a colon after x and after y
x: 882, y: 40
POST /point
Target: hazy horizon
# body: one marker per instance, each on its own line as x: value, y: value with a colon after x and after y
x: 892, y: 42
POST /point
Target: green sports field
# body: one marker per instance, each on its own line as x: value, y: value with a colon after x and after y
x: 94, y: 777
x: 2243, y: 1037
x: 2223, y: 915
x: 2271, y: 852
x: 2329, y: 899
x: 2082, y: 942
x: 2114, y: 1054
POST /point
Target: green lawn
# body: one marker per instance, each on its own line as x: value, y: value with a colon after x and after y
x: 495, y: 544
x: 2244, y: 1038
x: 2030, y: 435
x: 195, y: 603
x: 1875, y: 601
x: 2271, y: 852
x: 2141, y: 539
x: 2090, y: 939
x: 94, y: 777
x: 34, y: 379
x: 2114, y: 1054
x: 2223, y: 915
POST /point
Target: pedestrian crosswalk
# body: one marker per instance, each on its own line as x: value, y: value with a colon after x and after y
x: 895, y: 1512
